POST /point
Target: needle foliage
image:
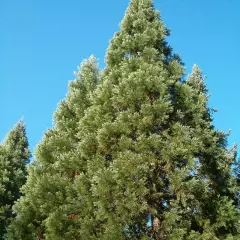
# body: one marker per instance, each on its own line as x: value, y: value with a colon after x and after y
x: 134, y: 153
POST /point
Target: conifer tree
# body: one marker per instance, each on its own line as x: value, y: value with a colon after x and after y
x: 150, y: 145
x: 139, y: 147
x: 214, y: 186
x: 50, y: 198
x: 14, y: 156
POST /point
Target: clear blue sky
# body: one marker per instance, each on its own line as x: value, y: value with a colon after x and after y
x: 43, y: 41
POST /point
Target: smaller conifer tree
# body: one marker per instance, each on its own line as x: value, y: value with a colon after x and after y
x: 50, y: 202
x: 14, y: 157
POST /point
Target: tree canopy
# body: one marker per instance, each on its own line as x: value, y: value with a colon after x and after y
x: 134, y: 153
x: 14, y: 156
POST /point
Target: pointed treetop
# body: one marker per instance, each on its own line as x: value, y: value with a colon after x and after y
x: 87, y: 74
x: 196, y: 73
x: 142, y: 33
x: 140, y: 4
x: 138, y: 16
x: 196, y: 79
x: 16, y: 141
x: 15, y: 134
x: 78, y: 97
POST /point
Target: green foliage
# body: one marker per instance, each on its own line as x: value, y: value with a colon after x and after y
x: 50, y: 196
x: 139, y: 143
x: 14, y: 156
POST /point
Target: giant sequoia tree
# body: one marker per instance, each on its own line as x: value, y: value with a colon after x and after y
x: 14, y: 156
x: 140, y: 148
x: 153, y: 147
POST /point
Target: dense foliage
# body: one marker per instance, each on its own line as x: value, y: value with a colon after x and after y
x: 133, y: 153
x: 51, y: 197
x: 14, y: 156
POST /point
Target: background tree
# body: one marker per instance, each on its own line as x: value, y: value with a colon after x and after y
x: 212, y: 185
x: 50, y: 199
x: 14, y: 157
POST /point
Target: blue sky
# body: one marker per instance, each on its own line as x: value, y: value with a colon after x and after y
x: 43, y: 42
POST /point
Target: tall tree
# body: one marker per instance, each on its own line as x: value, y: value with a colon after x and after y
x: 50, y: 197
x: 129, y: 124
x: 14, y: 157
x: 142, y: 146
x: 150, y: 144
